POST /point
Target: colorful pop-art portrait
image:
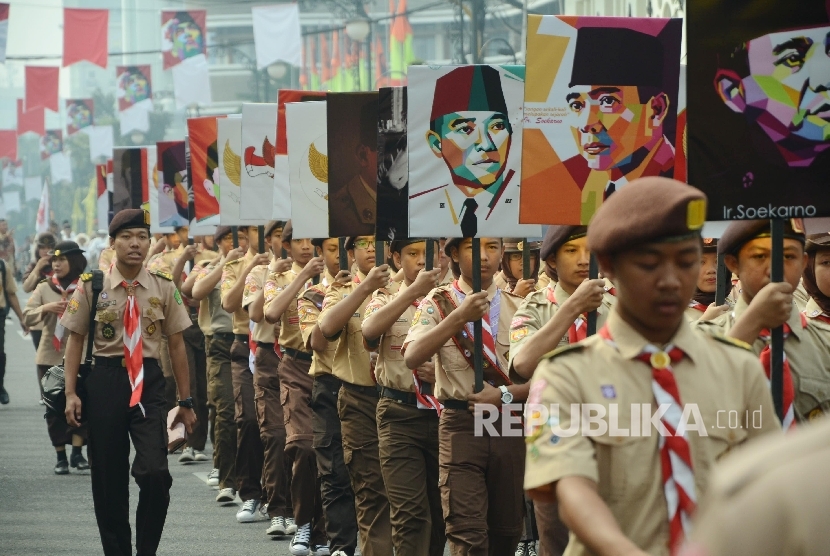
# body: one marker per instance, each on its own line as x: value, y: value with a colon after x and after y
x: 182, y: 35
x: 204, y: 167
x: 393, y: 165
x: 51, y: 143
x: 767, y: 80
x: 79, y: 114
x: 464, y: 139
x: 173, y: 186
x: 353, y: 163
x: 133, y: 85
x: 600, y: 110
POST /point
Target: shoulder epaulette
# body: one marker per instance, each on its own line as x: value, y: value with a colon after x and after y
x: 86, y: 277
x: 162, y: 274
x: 43, y: 280
x: 564, y: 349
x: 731, y: 341
x: 511, y: 294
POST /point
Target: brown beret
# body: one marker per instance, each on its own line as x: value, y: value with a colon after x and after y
x: 710, y: 245
x: 318, y: 241
x: 651, y: 209
x: 221, y: 231
x: 818, y: 242
x: 129, y: 218
x: 45, y: 239
x: 451, y: 242
x: 272, y: 225
x: 558, y: 236
x: 740, y: 232
x: 287, y: 232
x: 397, y: 245
x: 515, y: 244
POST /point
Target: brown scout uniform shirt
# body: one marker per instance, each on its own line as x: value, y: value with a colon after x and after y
x: 160, y: 303
x: 770, y: 498
x: 454, y: 375
x: 309, y: 307
x: 807, y: 350
x: 536, y: 310
x: 290, y: 335
x: 351, y: 360
x: 390, y: 369
x: 221, y: 322
x: 229, y: 276
x: 714, y: 375
x: 32, y: 314
x: 255, y: 281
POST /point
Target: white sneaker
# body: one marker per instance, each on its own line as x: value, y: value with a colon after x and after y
x: 290, y: 526
x: 277, y: 526
x: 226, y: 495
x: 199, y: 455
x: 213, y: 478
x: 322, y: 550
x: 251, y: 511
x: 300, y: 542
x: 187, y: 455
x: 339, y: 553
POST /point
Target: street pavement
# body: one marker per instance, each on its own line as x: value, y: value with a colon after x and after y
x: 46, y: 514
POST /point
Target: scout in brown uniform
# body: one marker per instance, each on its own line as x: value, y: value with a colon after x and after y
x: 702, y: 306
x: 617, y: 485
x: 282, y: 289
x: 206, y: 286
x: 407, y: 429
x: 105, y: 258
x: 335, y: 488
x: 554, y: 317
x: 746, y: 246
x: 45, y: 306
x: 816, y: 280
x: 276, y: 477
x: 125, y: 391
x: 32, y: 276
x: 8, y: 287
x: 342, y: 317
x: 249, y: 450
x: 771, y: 498
x: 479, y: 475
x: 509, y: 278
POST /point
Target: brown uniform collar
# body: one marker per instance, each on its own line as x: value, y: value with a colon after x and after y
x: 468, y: 289
x: 630, y: 343
x: 143, y: 277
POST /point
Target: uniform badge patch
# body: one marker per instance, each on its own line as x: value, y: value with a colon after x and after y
x: 518, y: 321
x: 177, y: 296
x: 151, y: 329
x: 104, y: 295
x: 108, y: 331
x: 608, y: 391
x: 72, y: 306
x: 155, y: 302
x: 518, y: 334
x: 815, y: 414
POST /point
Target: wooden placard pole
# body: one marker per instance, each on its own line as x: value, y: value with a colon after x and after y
x: 724, y: 282
x: 235, y: 232
x: 380, y: 252
x: 593, y: 274
x: 344, y: 255
x: 525, y: 259
x: 261, y: 239
x: 478, y: 338
x: 426, y: 387
x: 777, y: 349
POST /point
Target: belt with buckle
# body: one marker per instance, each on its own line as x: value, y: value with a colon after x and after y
x: 118, y: 362
x: 455, y: 404
x: 365, y: 390
x: 409, y: 398
x: 265, y: 345
x: 241, y: 338
x: 296, y: 354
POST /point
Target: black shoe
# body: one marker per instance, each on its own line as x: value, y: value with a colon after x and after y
x: 4, y: 396
x: 78, y: 462
x: 62, y: 467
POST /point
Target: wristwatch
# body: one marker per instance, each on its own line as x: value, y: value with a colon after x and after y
x: 188, y: 402
x: 506, y: 396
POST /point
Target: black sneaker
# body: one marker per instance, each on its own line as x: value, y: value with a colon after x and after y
x: 62, y: 467
x: 4, y: 396
x: 78, y: 462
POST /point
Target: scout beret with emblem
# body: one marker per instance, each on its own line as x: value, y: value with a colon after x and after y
x: 129, y: 218
x: 818, y: 242
x: 221, y: 231
x: 287, y: 232
x: 46, y: 239
x: 558, y: 236
x: 516, y: 244
x: 740, y: 232
x: 397, y: 245
x: 652, y: 209
x: 66, y: 248
x: 273, y: 225
x: 318, y: 241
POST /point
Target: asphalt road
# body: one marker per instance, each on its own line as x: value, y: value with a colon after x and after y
x: 46, y: 514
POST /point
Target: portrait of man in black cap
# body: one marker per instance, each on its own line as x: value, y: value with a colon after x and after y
x: 353, y: 200
x: 618, y: 97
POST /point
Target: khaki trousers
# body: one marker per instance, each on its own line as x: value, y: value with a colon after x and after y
x: 220, y: 391
x: 249, y: 452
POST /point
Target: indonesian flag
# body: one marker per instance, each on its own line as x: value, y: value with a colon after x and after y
x: 42, y: 222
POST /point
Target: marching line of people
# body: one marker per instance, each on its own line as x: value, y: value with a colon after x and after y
x: 340, y: 403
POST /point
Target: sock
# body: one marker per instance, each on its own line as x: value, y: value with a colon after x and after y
x: 62, y: 455
x: 76, y: 450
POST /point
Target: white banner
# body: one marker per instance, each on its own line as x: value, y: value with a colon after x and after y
x: 229, y: 150
x: 277, y: 35
x: 191, y: 82
x: 11, y: 201
x: 136, y: 117
x: 308, y: 168
x: 61, y: 166
x: 32, y: 188
x: 259, y: 137
x: 101, y: 142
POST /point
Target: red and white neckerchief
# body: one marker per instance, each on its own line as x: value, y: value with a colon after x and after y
x: 788, y: 390
x: 57, y: 339
x: 579, y: 329
x: 489, y: 325
x: 675, y: 455
x: 424, y: 401
x: 133, y: 345
x: 251, y: 346
x: 693, y: 304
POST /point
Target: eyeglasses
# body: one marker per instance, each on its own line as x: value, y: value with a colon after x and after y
x: 363, y: 244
